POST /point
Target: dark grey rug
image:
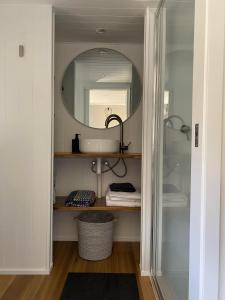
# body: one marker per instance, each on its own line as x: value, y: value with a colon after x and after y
x: 100, y: 286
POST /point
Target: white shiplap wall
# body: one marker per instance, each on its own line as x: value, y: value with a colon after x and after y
x: 71, y: 174
x: 25, y: 138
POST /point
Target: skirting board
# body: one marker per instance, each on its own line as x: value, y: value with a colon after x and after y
x: 145, y: 273
x: 116, y: 239
x: 25, y: 271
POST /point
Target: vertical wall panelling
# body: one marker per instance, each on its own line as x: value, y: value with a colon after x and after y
x: 222, y: 211
x: 25, y: 138
x: 52, y: 144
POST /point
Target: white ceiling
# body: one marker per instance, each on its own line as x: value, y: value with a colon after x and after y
x: 126, y: 28
x: 123, y: 20
x: 78, y: 19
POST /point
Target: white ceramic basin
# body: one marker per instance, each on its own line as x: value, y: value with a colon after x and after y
x: 99, y: 146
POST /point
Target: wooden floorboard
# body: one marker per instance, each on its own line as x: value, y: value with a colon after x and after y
x: 125, y: 259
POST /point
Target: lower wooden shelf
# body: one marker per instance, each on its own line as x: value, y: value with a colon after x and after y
x: 100, y: 205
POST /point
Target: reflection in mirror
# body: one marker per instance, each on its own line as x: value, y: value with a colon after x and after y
x: 98, y: 83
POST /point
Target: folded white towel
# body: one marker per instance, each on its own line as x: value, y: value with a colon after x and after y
x: 119, y: 196
x: 123, y: 203
x: 121, y: 199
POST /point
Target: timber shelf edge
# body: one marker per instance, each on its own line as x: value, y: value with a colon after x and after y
x: 94, y: 155
x: 100, y: 205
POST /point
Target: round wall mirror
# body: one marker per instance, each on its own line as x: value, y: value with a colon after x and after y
x: 100, y: 82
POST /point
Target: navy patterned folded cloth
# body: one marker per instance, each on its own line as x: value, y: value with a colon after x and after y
x: 81, y: 198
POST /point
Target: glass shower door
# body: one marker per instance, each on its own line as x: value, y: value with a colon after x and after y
x: 172, y: 148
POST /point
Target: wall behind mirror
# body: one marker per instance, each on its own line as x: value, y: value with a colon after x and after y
x: 100, y: 82
x: 65, y: 124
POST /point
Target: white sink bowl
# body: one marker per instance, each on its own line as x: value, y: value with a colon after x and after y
x: 99, y: 146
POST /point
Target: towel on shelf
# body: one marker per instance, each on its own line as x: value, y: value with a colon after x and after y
x: 128, y: 199
x: 123, y: 203
x: 80, y: 198
x: 122, y: 187
x: 118, y: 196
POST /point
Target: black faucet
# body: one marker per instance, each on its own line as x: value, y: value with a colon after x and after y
x: 119, y: 120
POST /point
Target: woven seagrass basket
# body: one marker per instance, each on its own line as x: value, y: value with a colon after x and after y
x: 95, y: 235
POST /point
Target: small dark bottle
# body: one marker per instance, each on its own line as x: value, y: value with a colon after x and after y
x: 76, y: 144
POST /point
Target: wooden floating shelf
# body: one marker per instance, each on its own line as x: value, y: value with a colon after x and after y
x: 100, y: 205
x: 95, y: 155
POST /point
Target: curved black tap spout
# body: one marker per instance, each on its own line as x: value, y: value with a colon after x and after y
x: 119, y: 120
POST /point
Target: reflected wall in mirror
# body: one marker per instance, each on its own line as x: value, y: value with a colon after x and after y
x: 100, y: 82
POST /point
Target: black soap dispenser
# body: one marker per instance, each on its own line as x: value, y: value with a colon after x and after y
x: 76, y: 144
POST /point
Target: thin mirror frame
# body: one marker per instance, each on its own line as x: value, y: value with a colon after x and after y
x: 140, y: 80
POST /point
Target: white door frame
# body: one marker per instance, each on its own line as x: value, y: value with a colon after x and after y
x: 222, y: 208
x: 147, y: 136
x: 206, y: 158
